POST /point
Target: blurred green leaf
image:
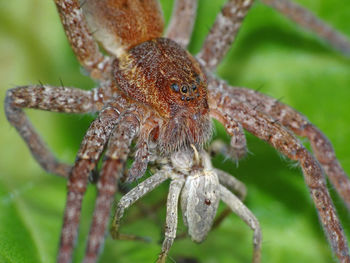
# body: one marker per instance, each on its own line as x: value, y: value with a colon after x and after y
x: 271, y: 53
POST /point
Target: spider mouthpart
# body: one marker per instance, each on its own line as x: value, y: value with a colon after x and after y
x: 207, y: 201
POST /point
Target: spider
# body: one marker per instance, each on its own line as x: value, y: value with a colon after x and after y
x: 153, y: 92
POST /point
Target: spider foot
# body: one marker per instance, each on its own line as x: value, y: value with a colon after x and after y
x: 119, y: 236
x: 162, y: 257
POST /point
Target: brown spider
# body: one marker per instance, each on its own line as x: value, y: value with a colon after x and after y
x: 155, y: 93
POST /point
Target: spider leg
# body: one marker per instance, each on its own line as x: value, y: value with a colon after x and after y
x: 139, y: 166
x: 247, y: 216
x: 223, y: 32
x: 131, y: 197
x: 235, y: 186
x: 142, y: 154
x: 232, y: 183
x: 43, y: 97
x: 308, y: 20
x: 267, y: 129
x: 115, y: 158
x: 238, y: 144
x: 298, y: 124
x: 81, y: 39
x: 87, y: 158
x: 182, y: 21
x: 171, y: 216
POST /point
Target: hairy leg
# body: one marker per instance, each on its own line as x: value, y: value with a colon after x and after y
x: 139, y: 166
x: 87, y: 158
x: 81, y: 39
x: 142, y: 154
x: 43, y: 97
x: 309, y: 21
x: 228, y: 22
x: 182, y: 21
x: 238, y: 144
x: 235, y: 186
x: 171, y: 217
x: 299, y: 124
x: 267, y: 129
x: 223, y: 32
x: 232, y: 183
x: 131, y: 197
x: 243, y: 212
x: 115, y: 158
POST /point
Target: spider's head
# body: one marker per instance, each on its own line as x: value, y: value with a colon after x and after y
x: 162, y: 75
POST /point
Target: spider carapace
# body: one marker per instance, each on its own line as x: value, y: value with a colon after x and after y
x: 162, y: 75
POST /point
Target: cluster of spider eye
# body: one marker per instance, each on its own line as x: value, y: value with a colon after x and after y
x: 154, y: 92
x: 187, y: 92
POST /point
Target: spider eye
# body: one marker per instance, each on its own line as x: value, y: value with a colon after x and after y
x: 184, y: 89
x: 194, y: 87
x: 175, y: 87
x: 198, y: 79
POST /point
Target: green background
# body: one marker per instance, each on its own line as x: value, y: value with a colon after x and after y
x: 271, y: 53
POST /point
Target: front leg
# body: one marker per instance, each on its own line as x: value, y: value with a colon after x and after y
x: 223, y: 32
x: 309, y: 21
x: 247, y: 216
x: 131, y: 197
x: 87, y: 158
x: 171, y: 217
x: 43, y: 97
x: 81, y: 39
x: 182, y: 21
x: 267, y: 129
x: 116, y: 155
x: 299, y: 125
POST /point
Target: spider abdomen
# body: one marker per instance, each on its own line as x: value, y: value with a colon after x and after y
x: 121, y: 24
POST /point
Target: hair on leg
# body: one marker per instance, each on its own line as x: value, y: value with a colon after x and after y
x: 298, y: 124
x: 182, y: 21
x: 171, y: 216
x: 243, y: 212
x: 308, y: 20
x: 87, y: 158
x: 81, y: 40
x: 267, y: 129
x: 223, y: 32
x: 131, y: 197
x: 232, y: 183
x: 115, y: 158
x: 43, y: 97
x: 238, y: 144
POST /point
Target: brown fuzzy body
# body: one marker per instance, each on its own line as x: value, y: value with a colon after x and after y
x: 162, y: 75
x: 122, y: 24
